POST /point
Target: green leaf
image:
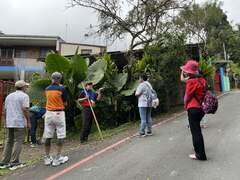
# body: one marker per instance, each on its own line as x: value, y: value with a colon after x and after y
x: 41, y: 84
x: 36, y: 91
x: 119, y: 80
x: 131, y: 88
x: 96, y: 71
x: 37, y: 96
x: 56, y: 62
x: 79, y: 68
x: 99, y: 64
x: 207, y: 69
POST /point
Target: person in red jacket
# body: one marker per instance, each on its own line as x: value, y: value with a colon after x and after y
x: 194, y: 94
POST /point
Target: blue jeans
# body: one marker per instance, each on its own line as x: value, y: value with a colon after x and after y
x: 146, y: 120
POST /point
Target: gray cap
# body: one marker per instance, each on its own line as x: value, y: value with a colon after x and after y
x: 56, y: 76
x: 21, y: 84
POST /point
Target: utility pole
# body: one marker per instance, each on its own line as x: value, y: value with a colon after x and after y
x: 66, y: 32
x: 225, y: 53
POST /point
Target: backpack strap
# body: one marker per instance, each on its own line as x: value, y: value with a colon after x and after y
x: 148, y: 85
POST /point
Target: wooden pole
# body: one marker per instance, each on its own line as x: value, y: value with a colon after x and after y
x: 94, y: 115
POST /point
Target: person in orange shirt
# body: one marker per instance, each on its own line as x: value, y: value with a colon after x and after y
x: 56, y: 96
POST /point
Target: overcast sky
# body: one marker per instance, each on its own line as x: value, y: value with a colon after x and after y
x: 51, y: 17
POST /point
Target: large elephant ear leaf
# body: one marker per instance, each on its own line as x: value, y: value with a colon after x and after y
x: 40, y: 84
x: 79, y: 68
x: 96, y: 71
x: 56, y: 62
x: 130, y: 88
x: 37, y: 90
x: 119, y: 80
x: 99, y: 64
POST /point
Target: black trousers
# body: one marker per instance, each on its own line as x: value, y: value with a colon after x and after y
x: 34, y: 117
x: 87, y: 123
x: 195, y: 115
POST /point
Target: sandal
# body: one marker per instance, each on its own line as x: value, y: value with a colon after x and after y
x: 204, y: 126
x: 193, y: 156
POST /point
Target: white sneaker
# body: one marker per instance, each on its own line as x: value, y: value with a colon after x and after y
x: 59, y: 160
x: 33, y: 145
x: 48, y: 160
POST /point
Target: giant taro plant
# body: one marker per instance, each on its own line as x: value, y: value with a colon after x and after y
x: 76, y: 72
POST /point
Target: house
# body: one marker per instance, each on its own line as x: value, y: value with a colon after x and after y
x: 23, y: 55
x: 69, y: 49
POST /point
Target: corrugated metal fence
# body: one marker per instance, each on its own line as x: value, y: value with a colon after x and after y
x: 6, y: 87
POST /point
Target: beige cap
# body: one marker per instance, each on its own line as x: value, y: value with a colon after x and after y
x: 20, y: 84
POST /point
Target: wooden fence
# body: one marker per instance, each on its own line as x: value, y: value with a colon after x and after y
x: 6, y: 87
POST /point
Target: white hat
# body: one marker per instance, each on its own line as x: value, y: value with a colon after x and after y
x: 20, y: 84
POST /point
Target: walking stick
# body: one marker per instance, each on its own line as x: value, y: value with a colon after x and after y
x: 94, y: 115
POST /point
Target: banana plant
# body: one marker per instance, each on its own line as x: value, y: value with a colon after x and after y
x: 74, y: 71
x: 206, y: 68
x: 96, y: 71
x: 130, y: 88
x: 113, y: 81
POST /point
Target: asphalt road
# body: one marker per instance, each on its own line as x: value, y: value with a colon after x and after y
x: 164, y: 156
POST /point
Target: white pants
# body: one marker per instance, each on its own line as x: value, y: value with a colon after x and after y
x: 55, y: 121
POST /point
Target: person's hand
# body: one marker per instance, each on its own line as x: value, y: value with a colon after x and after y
x: 43, y: 116
x: 87, y: 97
x: 93, y: 103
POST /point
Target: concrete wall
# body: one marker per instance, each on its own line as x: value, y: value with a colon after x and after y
x: 68, y: 49
x: 23, y: 67
x: 29, y: 63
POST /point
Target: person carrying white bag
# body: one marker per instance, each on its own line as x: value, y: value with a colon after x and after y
x: 147, y: 98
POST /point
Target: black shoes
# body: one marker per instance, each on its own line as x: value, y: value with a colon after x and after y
x: 4, y: 165
x: 83, y: 140
x: 12, y: 166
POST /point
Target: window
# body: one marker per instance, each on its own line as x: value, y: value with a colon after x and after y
x: 43, y: 53
x: 6, y: 53
x: 21, y: 53
x: 86, y: 51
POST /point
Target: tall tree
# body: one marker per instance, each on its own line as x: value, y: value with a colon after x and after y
x: 207, y: 24
x: 234, y: 46
x: 142, y: 20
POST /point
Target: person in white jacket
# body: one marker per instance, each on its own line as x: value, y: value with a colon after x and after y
x: 143, y: 93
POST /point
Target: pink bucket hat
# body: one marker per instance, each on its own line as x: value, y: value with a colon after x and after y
x: 190, y: 67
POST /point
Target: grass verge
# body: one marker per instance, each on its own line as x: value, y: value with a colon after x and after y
x: 94, y: 136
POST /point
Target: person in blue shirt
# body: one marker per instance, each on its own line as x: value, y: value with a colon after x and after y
x: 87, y: 97
x: 36, y: 113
